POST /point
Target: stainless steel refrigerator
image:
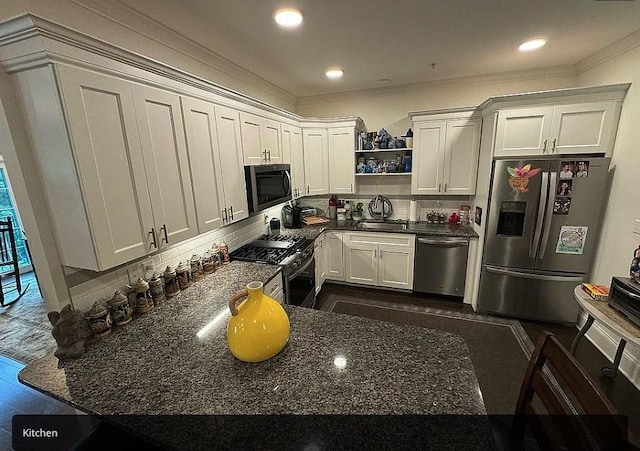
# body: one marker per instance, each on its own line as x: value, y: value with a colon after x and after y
x: 543, y: 226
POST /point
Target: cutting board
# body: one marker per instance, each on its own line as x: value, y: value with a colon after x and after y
x: 311, y: 220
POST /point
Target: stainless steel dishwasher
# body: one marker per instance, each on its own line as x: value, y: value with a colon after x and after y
x: 440, y: 265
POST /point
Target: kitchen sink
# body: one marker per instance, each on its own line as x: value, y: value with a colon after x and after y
x: 381, y: 225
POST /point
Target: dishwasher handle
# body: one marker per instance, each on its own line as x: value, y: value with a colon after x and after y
x: 444, y: 242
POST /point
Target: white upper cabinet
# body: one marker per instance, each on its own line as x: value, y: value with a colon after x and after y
x: 166, y: 163
x: 101, y: 120
x: 565, y: 129
x: 204, y: 157
x: 260, y: 140
x: 316, y: 160
x: 341, y: 160
x: 292, y: 154
x: 231, y: 185
x: 445, y: 156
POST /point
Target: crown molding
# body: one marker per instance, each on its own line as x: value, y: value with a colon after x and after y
x: 588, y: 93
x: 28, y: 41
x: 476, y: 80
x: 616, y: 49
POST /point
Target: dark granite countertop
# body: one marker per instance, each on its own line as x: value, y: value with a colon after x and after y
x: 418, y: 229
x: 332, y: 364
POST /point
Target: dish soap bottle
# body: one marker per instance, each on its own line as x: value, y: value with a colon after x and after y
x: 333, y: 207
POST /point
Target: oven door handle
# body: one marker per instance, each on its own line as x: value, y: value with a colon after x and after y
x: 301, y: 270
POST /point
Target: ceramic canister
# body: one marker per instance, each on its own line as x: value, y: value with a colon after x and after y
x: 207, y: 263
x: 217, y: 256
x: 225, y: 253
x: 121, y: 310
x: 156, y: 285
x: 99, y: 319
x: 183, y: 274
x: 144, y: 301
x: 171, y: 287
x: 196, y: 268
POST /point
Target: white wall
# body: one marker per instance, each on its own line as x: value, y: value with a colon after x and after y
x: 618, y: 241
x: 388, y: 107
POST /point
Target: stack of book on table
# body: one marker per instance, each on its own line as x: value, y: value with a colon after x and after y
x: 597, y: 292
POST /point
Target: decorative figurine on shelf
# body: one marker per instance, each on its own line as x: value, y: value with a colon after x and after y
x: 70, y: 331
x: 408, y: 139
x: 634, y: 269
x: 384, y: 137
x: 360, y: 167
x: 366, y: 141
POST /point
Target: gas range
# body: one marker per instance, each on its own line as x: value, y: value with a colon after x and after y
x: 288, y: 251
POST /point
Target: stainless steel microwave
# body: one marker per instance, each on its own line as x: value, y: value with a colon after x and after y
x: 267, y: 185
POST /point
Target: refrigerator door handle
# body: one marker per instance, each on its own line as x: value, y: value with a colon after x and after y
x: 528, y: 275
x: 544, y: 193
x: 548, y: 215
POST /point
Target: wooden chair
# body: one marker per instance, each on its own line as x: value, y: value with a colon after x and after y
x: 9, y: 258
x: 578, y: 417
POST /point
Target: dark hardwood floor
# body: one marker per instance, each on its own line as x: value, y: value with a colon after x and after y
x: 622, y: 393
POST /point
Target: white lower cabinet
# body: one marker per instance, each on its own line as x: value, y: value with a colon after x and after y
x: 275, y: 288
x: 334, y: 259
x: 379, y: 259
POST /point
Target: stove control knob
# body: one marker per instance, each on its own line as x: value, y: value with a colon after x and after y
x: 294, y: 265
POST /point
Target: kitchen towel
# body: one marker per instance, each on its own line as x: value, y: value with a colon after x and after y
x: 413, y: 211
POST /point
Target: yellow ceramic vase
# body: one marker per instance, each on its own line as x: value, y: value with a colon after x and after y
x: 259, y: 327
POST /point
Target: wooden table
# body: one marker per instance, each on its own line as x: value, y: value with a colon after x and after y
x: 612, y: 319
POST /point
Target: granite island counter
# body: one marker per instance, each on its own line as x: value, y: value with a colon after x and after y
x: 175, y: 361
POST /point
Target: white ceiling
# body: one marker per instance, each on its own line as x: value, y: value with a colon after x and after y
x: 397, y: 40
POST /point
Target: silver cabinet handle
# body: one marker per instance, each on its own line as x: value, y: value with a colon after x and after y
x: 224, y: 215
x: 553, y: 147
x: 351, y: 185
x: 455, y: 242
x: 375, y: 253
x: 380, y: 254
x: 153, y: 237
x: 264, y: 152
x: 544, y: 148
x: 231, y: 212
x: 269, y: 152
x: 307, y: 189
x: 439, y: 186
x: 164, y: 229
x: 445, y: 187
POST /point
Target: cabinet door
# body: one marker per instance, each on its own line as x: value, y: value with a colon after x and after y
x: 165, y: 153
x: 252, y: 149
x: 104, y: 134
x: 320, y: 261
x: 274, y: 288
x: 204, y: 158
x: 316, y: 161
x: 361, y: 263
x: 292, y: 146
x: 428, y: 157
x: 395, y: 268
x: 461, y: 160
x: 270, y: 140
x: 232, y: 184
x: 523, y: 132
x: 333, y: 256
x: 583, y: 128
x: 341, y: 160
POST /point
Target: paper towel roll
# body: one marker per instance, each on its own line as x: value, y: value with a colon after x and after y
x: 413, y: 211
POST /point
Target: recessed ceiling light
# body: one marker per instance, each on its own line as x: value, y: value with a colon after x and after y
x: 532, y: 45
x: 382, y: 81
x: 288, y: 17
x: 335, y: 73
